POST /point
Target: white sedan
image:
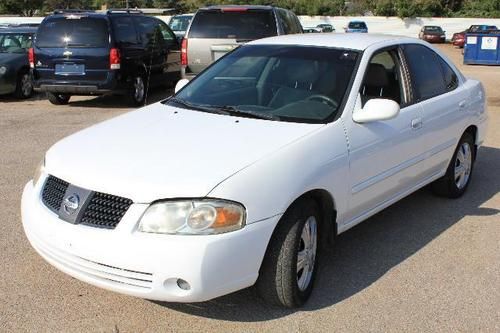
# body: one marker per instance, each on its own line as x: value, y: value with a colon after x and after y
x: 242, y: 176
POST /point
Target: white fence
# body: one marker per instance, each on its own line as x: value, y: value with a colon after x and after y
x: 376, y: 24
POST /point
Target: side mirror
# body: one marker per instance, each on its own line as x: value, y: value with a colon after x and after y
x: 180, y: 84
x: 377, y: 109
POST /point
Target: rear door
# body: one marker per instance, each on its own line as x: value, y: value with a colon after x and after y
x: 72, y: 48
x: 215, y: 32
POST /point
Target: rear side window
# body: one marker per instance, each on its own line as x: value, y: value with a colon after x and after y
x: 246, y: 24
x: 124, y: 29
x: 73, y: 31
x: 288, y: 21
x: 450, y: 77
x: 425, y: 70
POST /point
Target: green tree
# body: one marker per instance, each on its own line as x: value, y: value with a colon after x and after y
x: 21, y: 7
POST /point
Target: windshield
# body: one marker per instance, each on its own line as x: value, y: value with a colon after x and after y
x: 248, y: 24
x: 73, y: 31
x: 15, y: 43
x: 179, y: 23
x: 279, y: 82
x: 357, y: 25
x: 433, y: 29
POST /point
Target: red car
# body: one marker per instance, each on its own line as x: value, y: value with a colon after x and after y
x: 432, y: 34
x: 458, y: 38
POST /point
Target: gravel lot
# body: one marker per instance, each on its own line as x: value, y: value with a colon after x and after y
x: 424, y: 264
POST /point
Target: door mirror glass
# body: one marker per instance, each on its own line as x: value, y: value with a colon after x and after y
x: 377, y: 109
x: 180, y: 84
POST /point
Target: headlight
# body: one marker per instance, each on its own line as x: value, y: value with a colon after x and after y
x: 3, y: 70
x: 39, y: 172
x: 193, y: 217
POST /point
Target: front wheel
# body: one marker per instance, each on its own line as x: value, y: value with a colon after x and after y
x: 58, y: 99
x: 24, y: 86
x: 287, y: 273
x: 457, y: 178
x: 138, y: 90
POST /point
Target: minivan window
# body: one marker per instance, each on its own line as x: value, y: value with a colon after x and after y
x: 424, y: 66
x: 15, y: 43
x: 247, y: 24
x: 73, y: 31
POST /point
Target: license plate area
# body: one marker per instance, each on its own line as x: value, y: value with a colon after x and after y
x: 70, y: 69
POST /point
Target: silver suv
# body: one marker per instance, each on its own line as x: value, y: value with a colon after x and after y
x: 216, y: 30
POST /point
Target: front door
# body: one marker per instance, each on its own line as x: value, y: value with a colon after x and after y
x: 386, y: 159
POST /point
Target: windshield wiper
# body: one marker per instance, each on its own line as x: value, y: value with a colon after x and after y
x: 248, y: 113
x: 195, y: 106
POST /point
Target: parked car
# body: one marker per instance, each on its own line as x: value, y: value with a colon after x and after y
x: 15, y: 74
x: 253, y: 166
x: 180, y: 23
x: 356, y: 26
x: 458, y: 38
x: 309, y: 30
x: 325, y: 27
x: 432, y: 34
x: 90, y: 53
x: 216, y: 30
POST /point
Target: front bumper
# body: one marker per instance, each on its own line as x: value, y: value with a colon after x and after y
x: 147, y: 265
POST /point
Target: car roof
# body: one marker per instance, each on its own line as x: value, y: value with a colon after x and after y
x: 345, y: 41
x: 20, y: 30
x: 238, y: 6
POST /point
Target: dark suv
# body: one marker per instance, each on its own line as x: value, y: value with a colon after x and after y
x: 216, y: 30
x: 89, y: 53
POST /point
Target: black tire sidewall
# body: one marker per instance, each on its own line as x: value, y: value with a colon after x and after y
x: 278, y: 275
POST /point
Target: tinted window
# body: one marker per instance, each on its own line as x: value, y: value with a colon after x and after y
x: 73, y: 31
x: 179, y: 23
x: 15, y: 43
x: 357, y: 25
x: 450, y: 77
x: 249, y: 25
x: 425, y: 70
x: 148, y: 31
x: 166, y: 33
x: 293, y: 83
x: 124, y: 30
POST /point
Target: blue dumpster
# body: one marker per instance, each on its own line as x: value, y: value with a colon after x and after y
x: 482, y: 48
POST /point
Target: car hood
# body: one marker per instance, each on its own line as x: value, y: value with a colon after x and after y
x: 9, y: 58
x: 165, y: 152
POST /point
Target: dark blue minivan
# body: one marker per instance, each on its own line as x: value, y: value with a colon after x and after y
x: 90, y: 53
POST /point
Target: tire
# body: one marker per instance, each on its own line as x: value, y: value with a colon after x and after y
x: 58, y: 99
x: 458, y: 175
x: 24, y: 86
x: 138, y: 90
x: 280, y: 281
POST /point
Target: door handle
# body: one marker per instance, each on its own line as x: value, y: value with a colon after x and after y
x: 416, y: 123
x: 462, y: 104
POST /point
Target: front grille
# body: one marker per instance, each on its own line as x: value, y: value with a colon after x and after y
x: 53, y: 192
x: 102, y: 211
x: 105, y: 210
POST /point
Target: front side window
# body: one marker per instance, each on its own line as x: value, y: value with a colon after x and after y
x: 425, y: 71
x: 383, y: 78
x: 288, y: 83
x: 15, y: 43
x: 73, y: 31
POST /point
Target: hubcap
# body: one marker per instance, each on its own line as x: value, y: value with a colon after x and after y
x: 463, y: 164
x: 26, y: 85
x: 307, y: 253
x: 138, y: 89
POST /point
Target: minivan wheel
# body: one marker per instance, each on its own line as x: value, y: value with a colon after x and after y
x: 457, y: 178
x: 138, y: 91
x: 24, y: 86
x: 58, y: 99
x: 287, y: 273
